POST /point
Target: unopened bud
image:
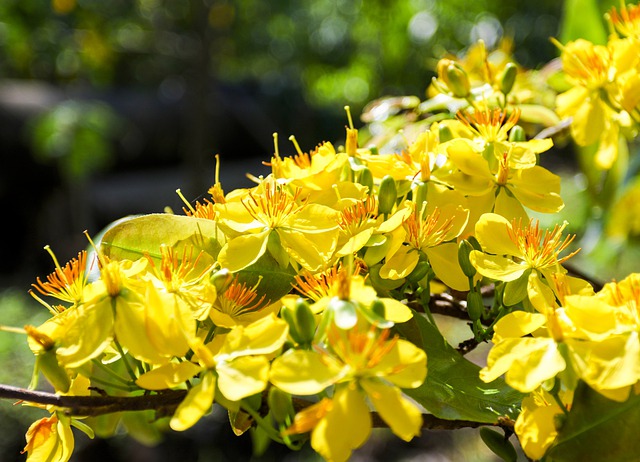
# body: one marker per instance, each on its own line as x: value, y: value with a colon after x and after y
x: 305, y: 322
x: 420, y: 195
x: 420, y: 271
x: 378, y: 308
x: 387, y: 195
x: 517, y: 134
x: 47, y: 363
x: 221, y: 280
x: 464, y: 250
x: 280, y: 405
x: 454, y: 77
x: 475, y: 305
x: 508, y: 78
x: 365, y: 178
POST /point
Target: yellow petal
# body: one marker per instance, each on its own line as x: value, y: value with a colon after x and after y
x: 536, y: 427
x: 311, y: 250
x: 243, y: 251
x: 346, y: 426
x: 395, y: 310
x: 492, y: 234
x: 401, y: 264
x: 195, y: 405
x: 263, y: 336
x: 302, y: 372
x: 444, y: 261
x: 403, y: 417
x: 168, y: 375
x: 405, y: 365
x: 243, y: 377
x: 496, y: 267
x: 518, y: 324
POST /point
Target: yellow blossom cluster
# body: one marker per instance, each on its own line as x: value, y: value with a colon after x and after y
x: 284, y: 302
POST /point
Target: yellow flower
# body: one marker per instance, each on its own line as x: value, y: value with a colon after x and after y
x: 513, y: 252
x: 431, y: 232
x: 497, y: 175
x: 363, y: 362
x: 536, y: 423
x: 65, y: 283
x: 235, y: 363
x: 316, y: 171
x: 271, y: 219
x: 50, y: 438
x: 597, y: 100
x: 238, y: 305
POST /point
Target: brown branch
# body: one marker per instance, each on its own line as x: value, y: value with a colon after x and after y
x: 164, y: 402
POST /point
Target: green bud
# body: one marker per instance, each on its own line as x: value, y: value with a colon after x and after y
x: 464, y: 249
x: 289, y: 316
x: 305, y: 322
x: 375, y: 253
x: 508, y: 78
x: 454, y: 77
x: 474, y: 243
x: 499, y: 444
x: 221, y: 279
x: 517, y: 134
x: 387, y: 195
x: 444, y: 133
x: 365, y: 178
x: 420, y: 271
x: 475, y: 305
x: 378, y: 308
x: 457, y: 81
x: 47, y: 363
x: 280, y: 405
x: 420, y: 195
x: 381, y: 284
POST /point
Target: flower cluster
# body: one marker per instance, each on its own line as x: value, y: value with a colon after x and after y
x: 285, y: 302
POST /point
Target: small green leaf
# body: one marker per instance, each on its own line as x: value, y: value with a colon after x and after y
x: 453, y: 389
x: 598, y: 429
x: 140, y: 236
x: 582, y: 19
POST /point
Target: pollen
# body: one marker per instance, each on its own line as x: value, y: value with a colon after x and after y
x: 361, y: 349
x: 239, y: 299
x: 274, y: 206
x: 540, y: 249
x: 65, y: 283
x: 491, y: 125
x: 352, y: 218
x: 427, y: 231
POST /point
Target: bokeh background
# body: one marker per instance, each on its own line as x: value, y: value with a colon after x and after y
x: 107, y: 107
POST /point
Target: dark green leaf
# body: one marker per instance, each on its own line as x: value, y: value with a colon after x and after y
x: 598, y: 429
x: 453, y: 390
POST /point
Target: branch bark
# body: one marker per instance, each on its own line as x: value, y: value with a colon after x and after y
x: 166, y: 402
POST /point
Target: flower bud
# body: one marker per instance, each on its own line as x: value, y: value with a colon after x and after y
x: 419, y: 272
x: 517, y: 134
x: 475, y: 305
x: 387, y: 195
x: 464, y: 249
x: 365, y: 178
x: 454, y: 77
x: 47, y: 363
x: 305, y: 322
x: 420, y: 195
x: 289, y: 316
x: 221, y: 280
x: 508, y: 78
x: 378, y: 308
x: 280, y: 405
x: 444, y: 133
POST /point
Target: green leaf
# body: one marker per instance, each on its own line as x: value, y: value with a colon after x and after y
x: 598, y: 429
x: 133, y: 238
x: 275, y: 281
x: 583, y: 19
x: 453, y: 390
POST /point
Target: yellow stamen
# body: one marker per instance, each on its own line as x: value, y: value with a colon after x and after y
x: 184, y: 199
x: 428, y: 231
x: 492, y: 125
x: 273, y: 206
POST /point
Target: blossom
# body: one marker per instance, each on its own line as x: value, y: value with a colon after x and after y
x: 50, y: 438
x: 430, y: 232
x: 513, y: 252
x: 239, y: 304
x: 235, y: 363
x: 272, y: 219
x: 364, y: 364
x: 498, y: 175
x: 598, y: 101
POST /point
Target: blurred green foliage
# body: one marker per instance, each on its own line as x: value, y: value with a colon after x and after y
x: 334, y: 51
